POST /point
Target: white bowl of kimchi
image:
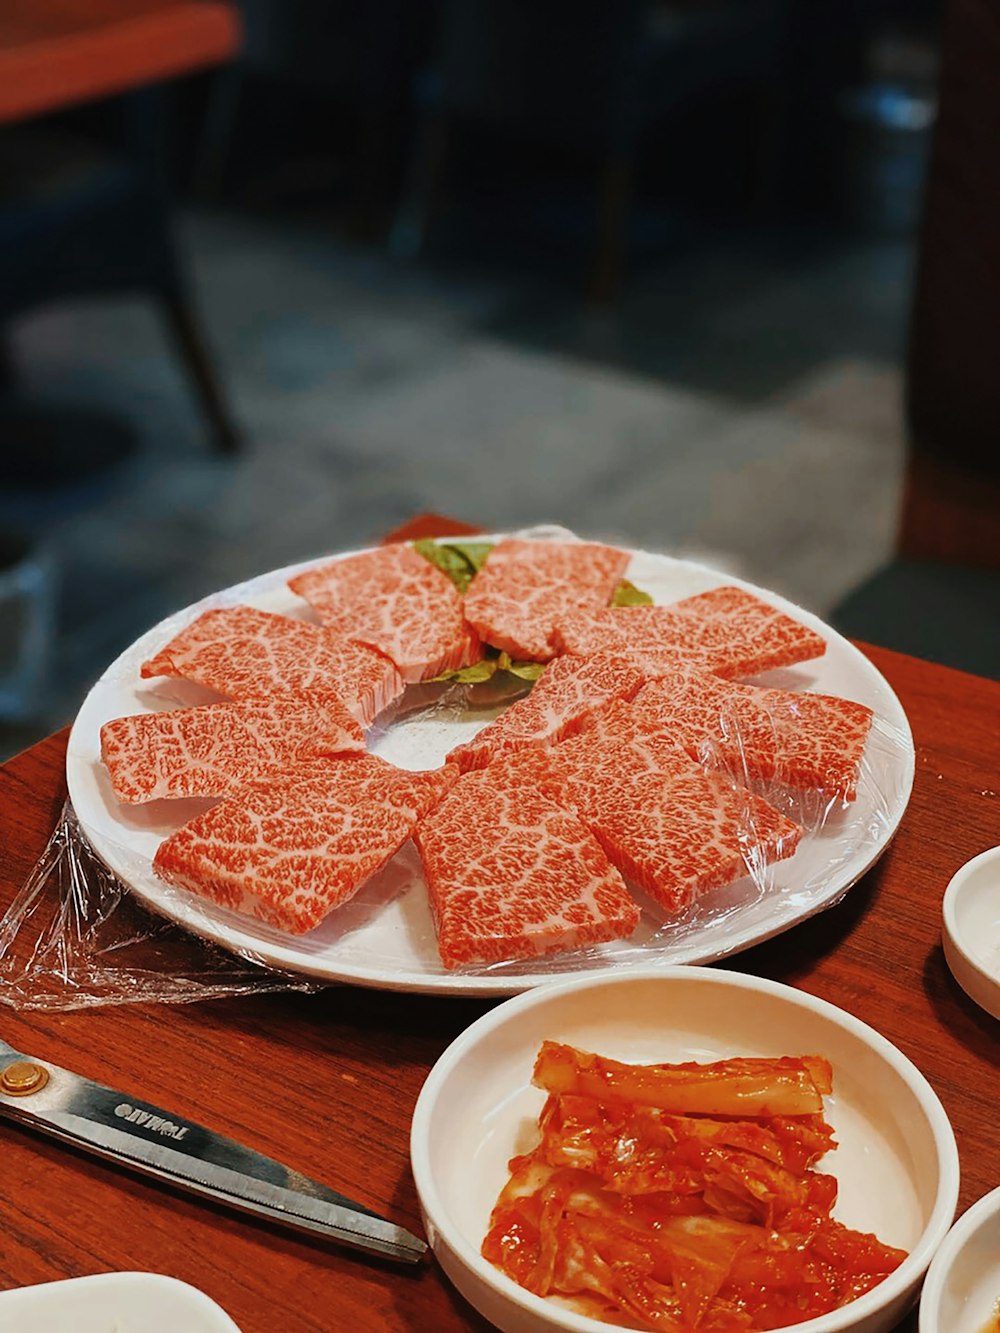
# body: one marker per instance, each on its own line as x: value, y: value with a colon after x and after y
x: 667, y: 1226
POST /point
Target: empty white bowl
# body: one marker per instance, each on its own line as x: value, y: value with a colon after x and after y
x: 897, y: 1164
x: 962, y: 1289
x: 970, y: 929
x: 113, y: 1303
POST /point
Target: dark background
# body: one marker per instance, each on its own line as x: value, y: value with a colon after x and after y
x: 643, y: 269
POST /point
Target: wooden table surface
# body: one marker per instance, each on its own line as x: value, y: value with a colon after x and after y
x: 328, y: 1082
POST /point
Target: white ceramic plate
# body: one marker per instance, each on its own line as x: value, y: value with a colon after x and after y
x: 896, y: 1162
x: 384, y: 937
x: 112, y: 1303
x: 962, y: 1291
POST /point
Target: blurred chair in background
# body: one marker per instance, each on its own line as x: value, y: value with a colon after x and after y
x: 355, y: 58
x: 594, y: 79
x: 76, y: 220
x: 940, y: 597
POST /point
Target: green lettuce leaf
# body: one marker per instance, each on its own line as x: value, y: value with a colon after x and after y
x: 627, y: 594
x: 493, y: 664
x: 459, y: 560
x: 474, y: 552
x: 450, y: 562
x: 524, y: 670
x: 471, y: 675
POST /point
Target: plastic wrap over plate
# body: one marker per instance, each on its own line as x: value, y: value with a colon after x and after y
x: 384, y: 936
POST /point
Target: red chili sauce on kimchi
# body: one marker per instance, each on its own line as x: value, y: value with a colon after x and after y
x: 682, y: 1197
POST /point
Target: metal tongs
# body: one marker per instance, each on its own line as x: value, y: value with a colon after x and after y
x: 173, y: 1148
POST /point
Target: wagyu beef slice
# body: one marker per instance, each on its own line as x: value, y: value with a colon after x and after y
x: 639, y: 747
x: 288, y: 849
x: 570, y: 689
x: 727, y: 631
x: 211, y: 750
x: 671, y: 828
x: 525, y: 587
x: 396, y: 601
x: 249, y: 654
x: 512, y: 875
x: 728, y: 613
x: 804, y: 740
x: 681, y: 838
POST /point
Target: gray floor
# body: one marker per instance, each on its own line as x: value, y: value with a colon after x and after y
x: 742, y: 404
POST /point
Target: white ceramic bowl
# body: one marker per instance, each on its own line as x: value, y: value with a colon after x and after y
x: 122, y: 1302
x: 897, y: 1164
x: 962, y: 1289
x: 970, y: 929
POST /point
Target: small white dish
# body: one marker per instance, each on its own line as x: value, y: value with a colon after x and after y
x: 113, y: 1303
x: 896, y: 1164
x: 962, y: 1290
x: 970, y: 930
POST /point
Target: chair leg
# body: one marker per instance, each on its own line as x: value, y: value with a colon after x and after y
x: 187, y: 336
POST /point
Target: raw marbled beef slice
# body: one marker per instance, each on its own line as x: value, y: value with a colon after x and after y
x: 289, y: 848
x: 395, y: 600
x: 569, y: 690
x: 611, y: 746
x: 639, y: 748
x: 525, y: 587
x: 671, y: 828
x: 804, y: 740
x: 209, y: 751
x: 512, y: 875
x: 730, y: 632
x: 249, y: 654
x: 721, y: 615
x: 681, y: 838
